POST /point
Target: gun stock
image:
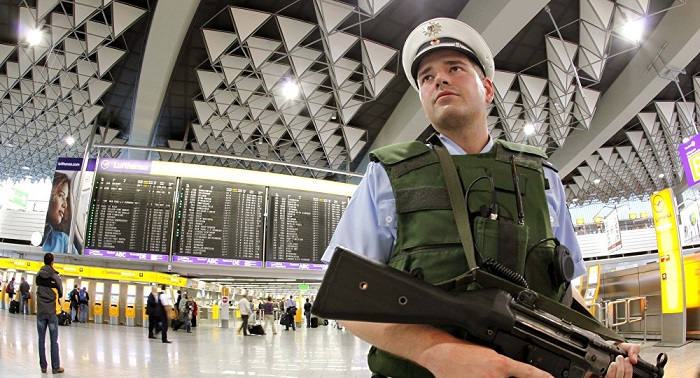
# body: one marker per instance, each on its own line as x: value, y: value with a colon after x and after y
x: 379, y: 293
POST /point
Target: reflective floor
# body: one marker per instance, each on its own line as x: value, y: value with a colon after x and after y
x: 119, y: 351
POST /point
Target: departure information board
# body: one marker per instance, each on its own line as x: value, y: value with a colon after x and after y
x: 219, y: 223
x: 300, y: 227
x: 130, y: 216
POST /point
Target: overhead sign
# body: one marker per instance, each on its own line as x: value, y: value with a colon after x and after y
x: 612, y: 232
x: 690, y: 157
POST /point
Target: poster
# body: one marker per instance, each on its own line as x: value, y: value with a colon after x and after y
x: 68, y: 204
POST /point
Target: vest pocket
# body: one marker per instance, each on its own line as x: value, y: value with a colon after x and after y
x: 501, y: 240
x: 539, y: 271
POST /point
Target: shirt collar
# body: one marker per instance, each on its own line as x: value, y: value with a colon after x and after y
x: 454, y: 149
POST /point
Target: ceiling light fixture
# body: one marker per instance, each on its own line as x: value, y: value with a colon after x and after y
x: 596, y: 181
x: 70, y: 140
x: 290, y: 89
x: 26, y: 168
x: 34, y: 36
x: 633, y: 30
x: 574, y: 200
x: 661, y: 175
x: 529, y: 129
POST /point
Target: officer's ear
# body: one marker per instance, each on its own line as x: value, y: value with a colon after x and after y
x: 488, y: 89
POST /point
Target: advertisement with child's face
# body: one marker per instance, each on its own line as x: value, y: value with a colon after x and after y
x: 62, y: 213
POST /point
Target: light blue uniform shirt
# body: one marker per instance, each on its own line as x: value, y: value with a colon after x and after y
x: 56, y: 241
x: 368, y: 225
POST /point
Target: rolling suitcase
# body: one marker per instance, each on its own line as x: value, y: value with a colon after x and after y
x: 314, y: 322
x: 14, y: 307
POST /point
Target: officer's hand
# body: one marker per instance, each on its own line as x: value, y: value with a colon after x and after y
x: 461, y: 359
x: 622, y: 367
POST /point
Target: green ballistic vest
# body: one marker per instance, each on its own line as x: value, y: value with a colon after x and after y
x: 427, y: 240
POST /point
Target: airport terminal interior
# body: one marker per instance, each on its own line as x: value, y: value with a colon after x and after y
x: 212, y: 146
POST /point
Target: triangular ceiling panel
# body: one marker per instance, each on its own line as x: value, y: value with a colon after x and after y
x: 272, y: 73
x: 376, y: 56
x: 200, y: 133
x: 261, y: 49
x: 123, y: 16
x: 106, y: 58
x: 373, y: 7
x: 217, y: 42
x: 597, y: 12
x: 61, y: 25
x: 246, y: 87
x: 204, y: 111
x: 331, y: 13
x: 339, y: 43
x: 83, y: 9
x: 208, y: 81
x: 43, y: 7
x: 232, y: 67
x: 247, y: 21
x: 97, y: 33
x: 293, y: 31
x: 302, y: 58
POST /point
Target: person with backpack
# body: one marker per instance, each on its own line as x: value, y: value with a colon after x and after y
x: 74, y: 297
x: 49, y: 291
x: 25, y: 295
x: 83, y: 300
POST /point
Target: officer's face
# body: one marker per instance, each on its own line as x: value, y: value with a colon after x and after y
x: 453, y: 94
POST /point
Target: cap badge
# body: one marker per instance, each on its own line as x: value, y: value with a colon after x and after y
x: 432, y: 29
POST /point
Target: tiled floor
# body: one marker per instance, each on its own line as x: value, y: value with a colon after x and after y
x: 89, y: 350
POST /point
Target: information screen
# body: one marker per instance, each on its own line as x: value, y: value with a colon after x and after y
x: 130, y: 213
x: 300, y: 227
x: 219, y: 223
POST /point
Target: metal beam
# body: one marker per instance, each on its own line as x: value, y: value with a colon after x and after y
x: 639, y: 83
x: 168, y: 29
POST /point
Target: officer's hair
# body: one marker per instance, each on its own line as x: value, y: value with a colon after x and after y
x: 48, y: 258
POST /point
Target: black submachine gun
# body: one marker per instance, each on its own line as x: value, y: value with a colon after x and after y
x: 357, y: 288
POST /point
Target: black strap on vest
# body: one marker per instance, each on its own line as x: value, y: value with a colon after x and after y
x: 459, y: 206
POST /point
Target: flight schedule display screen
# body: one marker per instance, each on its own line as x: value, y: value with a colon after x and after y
x: 219, y: 223
x: 130, y: 216
x: 300, y: 227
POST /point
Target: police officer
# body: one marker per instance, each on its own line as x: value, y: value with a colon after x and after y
x: 402, y: 213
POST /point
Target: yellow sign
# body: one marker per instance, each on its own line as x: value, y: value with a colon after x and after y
x: 670, y: 260
x: 644, y: 214
x: 24, y: 265
x: 580, y: 220
x: 97, y: 272
x: 598, y: 219
x: 633, y: 215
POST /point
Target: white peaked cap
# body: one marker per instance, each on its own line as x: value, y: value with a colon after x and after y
x: 444, y: 33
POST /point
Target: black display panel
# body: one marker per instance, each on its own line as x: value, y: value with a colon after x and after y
x: 300, y: 227
x: 219, y: 223
x: 130, y: 213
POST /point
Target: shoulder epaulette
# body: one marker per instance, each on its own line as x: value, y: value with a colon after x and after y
x: 548, y: 164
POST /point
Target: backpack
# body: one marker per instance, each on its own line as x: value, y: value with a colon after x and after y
x: 82, y: 297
